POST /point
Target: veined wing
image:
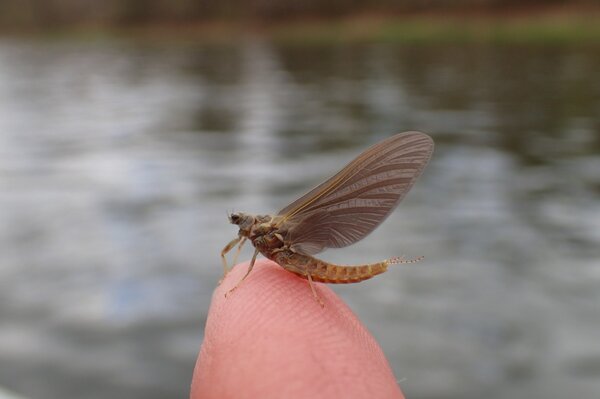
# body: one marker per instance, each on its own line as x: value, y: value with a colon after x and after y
x: 351, y: 204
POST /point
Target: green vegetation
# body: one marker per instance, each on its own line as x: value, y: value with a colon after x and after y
x: 312, y: 21
x: 438, y: 29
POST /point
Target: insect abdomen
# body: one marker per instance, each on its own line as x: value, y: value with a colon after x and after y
x: 338, y: 274
x: 325, y: 272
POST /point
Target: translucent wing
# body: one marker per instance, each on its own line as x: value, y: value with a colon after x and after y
x: 351, y: 204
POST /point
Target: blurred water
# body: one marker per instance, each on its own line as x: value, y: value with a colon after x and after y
x: 119, y: 160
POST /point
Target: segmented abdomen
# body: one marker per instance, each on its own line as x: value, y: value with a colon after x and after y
x: 325, y: 272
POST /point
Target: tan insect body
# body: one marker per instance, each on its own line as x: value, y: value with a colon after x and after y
x: 337, y: 213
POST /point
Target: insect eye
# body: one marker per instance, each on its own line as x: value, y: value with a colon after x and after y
x: 235, y: 218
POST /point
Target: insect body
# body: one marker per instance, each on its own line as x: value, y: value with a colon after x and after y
x: 337, y: 213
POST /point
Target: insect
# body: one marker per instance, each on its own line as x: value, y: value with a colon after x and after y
x: 337, y: 213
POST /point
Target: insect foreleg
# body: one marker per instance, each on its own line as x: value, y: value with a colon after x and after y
x: 239, y: 249
x: 245, y: 275
x: 228, y: 248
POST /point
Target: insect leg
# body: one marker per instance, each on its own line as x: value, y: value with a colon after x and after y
x: 228, y: 248
x: 245, y: 275
x: 314, y: 292
x: 239, y: 249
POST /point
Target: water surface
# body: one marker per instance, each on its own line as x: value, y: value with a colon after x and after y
x: 119, y: 161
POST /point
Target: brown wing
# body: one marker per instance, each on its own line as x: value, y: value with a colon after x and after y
x: 351, y: 204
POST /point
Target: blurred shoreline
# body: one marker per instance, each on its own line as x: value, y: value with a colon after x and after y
x: 537, y: 24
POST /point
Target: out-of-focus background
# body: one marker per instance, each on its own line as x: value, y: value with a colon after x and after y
x: 129, y: 128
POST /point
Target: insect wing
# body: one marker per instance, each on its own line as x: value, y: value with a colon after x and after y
x: 351, y: 204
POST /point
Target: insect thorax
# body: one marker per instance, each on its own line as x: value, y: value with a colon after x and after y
x: 264, y: 234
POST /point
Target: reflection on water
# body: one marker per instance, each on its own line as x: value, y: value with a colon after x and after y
x: 118, y: 162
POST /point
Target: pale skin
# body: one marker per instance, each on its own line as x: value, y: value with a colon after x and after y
x: 272, y: 340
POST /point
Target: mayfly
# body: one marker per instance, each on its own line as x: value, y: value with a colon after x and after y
x: 337, y: 213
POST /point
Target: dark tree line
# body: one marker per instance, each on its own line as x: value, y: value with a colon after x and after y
x: 59, y: 13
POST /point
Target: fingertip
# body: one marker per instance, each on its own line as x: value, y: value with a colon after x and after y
x: 271, y: 336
